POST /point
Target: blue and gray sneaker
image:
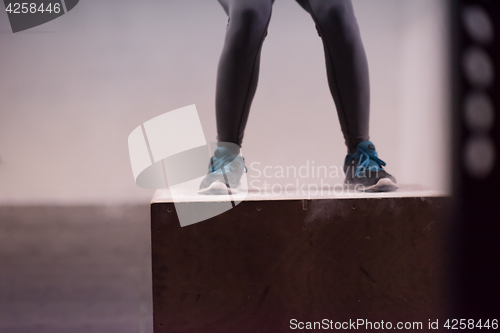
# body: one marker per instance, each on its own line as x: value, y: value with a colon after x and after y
x: 224, y: 173
x: 364, y: 170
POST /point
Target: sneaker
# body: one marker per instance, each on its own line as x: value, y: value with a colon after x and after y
x: 364, y: 170
x: 224, y: 173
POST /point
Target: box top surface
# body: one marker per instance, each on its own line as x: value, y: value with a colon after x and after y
x: 292, y: 193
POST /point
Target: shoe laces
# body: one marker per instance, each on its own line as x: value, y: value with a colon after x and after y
x: 368, y: 159
x: 220, y: 159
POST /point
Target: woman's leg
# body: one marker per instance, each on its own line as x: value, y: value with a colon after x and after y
x: 346, y: 63
x: 238, y: 70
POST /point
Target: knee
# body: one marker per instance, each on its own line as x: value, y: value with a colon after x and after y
x: 336, y: 10
x: 339, y: 14
x: 248, y: 23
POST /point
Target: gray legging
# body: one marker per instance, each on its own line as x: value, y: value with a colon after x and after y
x: 346, y: 65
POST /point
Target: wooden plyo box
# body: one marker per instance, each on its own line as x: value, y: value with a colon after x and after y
x: 268, y: 261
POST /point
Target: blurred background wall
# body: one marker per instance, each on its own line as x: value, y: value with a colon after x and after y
x: 73, y: 89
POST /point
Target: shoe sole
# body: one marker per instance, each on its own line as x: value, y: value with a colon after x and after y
x: 383, y: 185
x: 217, y: 188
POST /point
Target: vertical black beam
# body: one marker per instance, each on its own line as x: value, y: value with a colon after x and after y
x: 476, y: 181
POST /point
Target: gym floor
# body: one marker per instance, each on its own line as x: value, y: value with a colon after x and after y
x: 75, y: 269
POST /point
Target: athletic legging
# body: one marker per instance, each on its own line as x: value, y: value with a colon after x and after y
x: 346, y: 64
